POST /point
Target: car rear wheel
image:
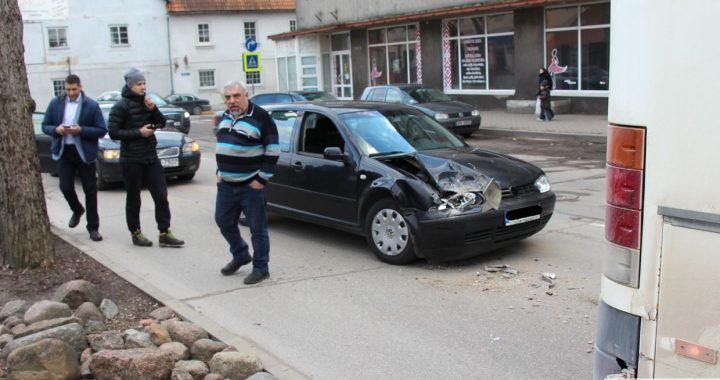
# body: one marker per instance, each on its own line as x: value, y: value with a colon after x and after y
x: 196, y: 110
x: 389, y: 234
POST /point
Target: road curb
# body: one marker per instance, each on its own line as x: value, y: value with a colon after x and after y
x: 597, y: 139
x: 271, y: 363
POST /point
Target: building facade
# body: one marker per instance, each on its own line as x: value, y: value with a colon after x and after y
x: 485, y: 53
x: 208, y: 41
x: 97, y: 40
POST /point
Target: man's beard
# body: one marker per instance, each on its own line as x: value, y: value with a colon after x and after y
x: 237, y: 113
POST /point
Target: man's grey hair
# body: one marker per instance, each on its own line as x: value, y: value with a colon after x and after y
x: 234, y: 84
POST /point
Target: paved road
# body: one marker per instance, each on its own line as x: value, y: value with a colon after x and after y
x: 333, y: 311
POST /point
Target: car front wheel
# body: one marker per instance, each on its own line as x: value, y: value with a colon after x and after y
x: 101, y: 183
x: 389, y: 234
x: 196, y: 110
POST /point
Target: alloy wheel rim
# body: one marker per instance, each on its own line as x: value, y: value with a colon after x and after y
x: 390, y: 232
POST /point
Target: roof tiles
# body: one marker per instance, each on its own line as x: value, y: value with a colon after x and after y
x: 183, y: 6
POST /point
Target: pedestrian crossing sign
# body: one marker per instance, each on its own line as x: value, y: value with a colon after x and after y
x: 251, y: 62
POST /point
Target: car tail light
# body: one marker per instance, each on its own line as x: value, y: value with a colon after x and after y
x: 623, y: 209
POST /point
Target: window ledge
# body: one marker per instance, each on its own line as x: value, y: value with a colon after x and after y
x: 59, y: 48
x: 120, y: 46
x: 208, y: 88
x: 205, y: 45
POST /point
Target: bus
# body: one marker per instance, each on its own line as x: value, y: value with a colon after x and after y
x: 659, y: 306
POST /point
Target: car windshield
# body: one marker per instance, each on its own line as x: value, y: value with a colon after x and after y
x: 318, y: 96
x: 397, y: 131
x: 428, y: 95
x: 157, y: 99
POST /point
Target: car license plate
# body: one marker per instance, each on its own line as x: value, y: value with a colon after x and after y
x: 170, y: 162
x: 463, y: 123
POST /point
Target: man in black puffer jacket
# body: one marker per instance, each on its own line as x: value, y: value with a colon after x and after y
x: 133, y: 120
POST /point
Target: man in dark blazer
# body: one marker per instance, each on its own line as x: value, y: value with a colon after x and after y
x: 75, y: 123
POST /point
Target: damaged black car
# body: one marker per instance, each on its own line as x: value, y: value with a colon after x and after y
x: 397, y: 177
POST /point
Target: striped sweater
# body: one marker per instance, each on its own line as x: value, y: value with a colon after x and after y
x: 247, y: 148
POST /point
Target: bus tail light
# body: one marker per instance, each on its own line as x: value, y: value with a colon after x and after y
x: 623, y: 209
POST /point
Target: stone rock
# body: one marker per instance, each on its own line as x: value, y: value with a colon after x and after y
x: 262, y: 376
x: 49, y: 359
x: 76, y: 292
x: 158, y: 334
x: 235, y: 365
x: 137, y: 339
x: 196, y: 369
x: 92, y: 327
x: 44, y: 325
x: 214, y: 376
x: 185, y: 332
x: 5, y: 339
x: 138, y: 363
x: 4, y: 330
x: 12, y: 321
x: 85, y: 372
x: 87, y: 311
x: 204, y: 349
x: 109, y: 308
x: 72, y: 334
x: 147, y: 322
x: 176, y: 350
x: 18, y: 329
x: 44, y: 310
x: 85, y: 355
x: 106, y: 340
x: 162, y: 313
x: 16, y: 307
x: 180, y: 375
x: 230, y: 349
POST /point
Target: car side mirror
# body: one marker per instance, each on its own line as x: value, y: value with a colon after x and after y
x: 334, y: 153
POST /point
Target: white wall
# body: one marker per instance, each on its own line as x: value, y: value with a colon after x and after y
x: 224, y: 53
x: 99, y: 65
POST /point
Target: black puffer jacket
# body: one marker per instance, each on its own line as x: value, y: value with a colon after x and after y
x: 127, y: 116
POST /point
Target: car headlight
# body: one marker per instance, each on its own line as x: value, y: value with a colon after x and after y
x: 475, y: 113
x: 441, y: 116
x: 111, y: 154
x: 190, y: 146
x: 542, y: 184
x: 186, y: 114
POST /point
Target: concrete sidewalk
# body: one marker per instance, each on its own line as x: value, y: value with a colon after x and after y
x: 574, y: 126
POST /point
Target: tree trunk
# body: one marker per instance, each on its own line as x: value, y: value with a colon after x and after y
x: 25, y: 239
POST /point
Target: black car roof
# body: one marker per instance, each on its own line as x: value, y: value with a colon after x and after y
x: 341, y: 107
x: 402, y: 85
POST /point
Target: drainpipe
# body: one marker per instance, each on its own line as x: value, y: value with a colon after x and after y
x: 170, y: 66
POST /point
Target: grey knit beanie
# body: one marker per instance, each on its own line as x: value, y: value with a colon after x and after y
x: 133, y: 76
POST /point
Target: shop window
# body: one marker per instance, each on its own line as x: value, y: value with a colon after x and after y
x: 57, y: 38
x: 287, y: 73
x: 393, y: 55
x: 308, y: 67
x: 479, y: 53
x: 577, y: 46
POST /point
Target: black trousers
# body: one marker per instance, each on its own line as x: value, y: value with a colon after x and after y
x: 152, y: 176
x: 69, y: 164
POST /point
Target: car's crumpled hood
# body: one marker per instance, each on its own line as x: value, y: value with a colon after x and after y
x: 446, y: 107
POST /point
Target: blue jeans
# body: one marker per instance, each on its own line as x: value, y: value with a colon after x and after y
x: 232, y: 200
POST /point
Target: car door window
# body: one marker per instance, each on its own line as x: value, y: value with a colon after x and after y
x: 285, y: 122
x: 318, y: 133
x: 378, y: 95
x: 393, y: 96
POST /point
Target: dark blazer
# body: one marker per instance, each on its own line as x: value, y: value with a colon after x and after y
x: 91, y: 122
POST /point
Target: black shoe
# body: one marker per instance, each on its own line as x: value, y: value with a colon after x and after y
x: 95, y: 235
x: 233, y: 266
x: 140, y: 240
x: 255, y: 277
x: 75, y: 219
x: 167, y: 239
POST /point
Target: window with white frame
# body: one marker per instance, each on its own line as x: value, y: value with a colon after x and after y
x: 309, y: 72
x: 250, y: 30
x: 577, y: 46
x: 203, y: 33
x: 57, y: 37
x: 287, y: 73
x: 206, y: 78
x: 119, y: 35
x: 478, y: 53
x: 293, y: 25
x: 58, y: 86
x: 393, y: 55
x: 252, y: 78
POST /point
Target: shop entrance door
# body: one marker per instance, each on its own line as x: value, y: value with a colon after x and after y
x: 342, y: 77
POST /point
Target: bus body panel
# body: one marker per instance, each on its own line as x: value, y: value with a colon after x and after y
x: 665, y: 67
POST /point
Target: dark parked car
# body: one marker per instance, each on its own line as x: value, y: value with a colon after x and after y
x: 291, y: 96
x: 191, y: 103
x: 171, y: 112
x: 179, y: 154
x: 459, y: 117
x: 411, y: 187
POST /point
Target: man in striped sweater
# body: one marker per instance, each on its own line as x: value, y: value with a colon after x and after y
x: 246, y: 153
